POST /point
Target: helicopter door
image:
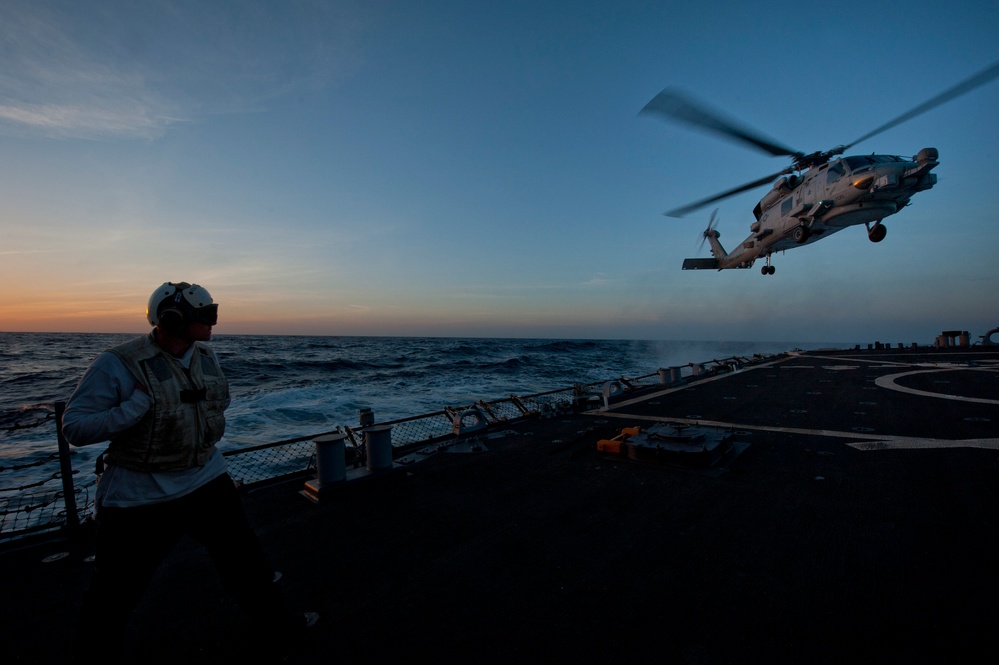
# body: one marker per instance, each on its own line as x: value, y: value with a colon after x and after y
x: 786, y: 205
x: 833, y: 176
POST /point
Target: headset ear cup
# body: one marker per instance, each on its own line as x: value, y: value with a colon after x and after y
x: 172, y: 320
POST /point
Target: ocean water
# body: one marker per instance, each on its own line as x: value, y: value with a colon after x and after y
x: 291, y: 386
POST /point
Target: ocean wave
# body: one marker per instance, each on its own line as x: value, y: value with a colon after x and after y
x: 284, y: 386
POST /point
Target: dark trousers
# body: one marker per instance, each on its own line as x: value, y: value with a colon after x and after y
x: 133, y: 542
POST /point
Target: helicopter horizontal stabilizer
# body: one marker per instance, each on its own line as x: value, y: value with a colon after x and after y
x: 700, y: 264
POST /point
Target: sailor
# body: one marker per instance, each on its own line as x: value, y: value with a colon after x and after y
x: 160, y: 400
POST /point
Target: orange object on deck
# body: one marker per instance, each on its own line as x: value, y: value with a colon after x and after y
x: 614, y: 445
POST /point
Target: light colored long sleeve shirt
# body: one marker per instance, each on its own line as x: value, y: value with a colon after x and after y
x: 107, y: 402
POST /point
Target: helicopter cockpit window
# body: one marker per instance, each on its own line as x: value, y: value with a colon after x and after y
x: 835, y: 172
x: 859, y: 163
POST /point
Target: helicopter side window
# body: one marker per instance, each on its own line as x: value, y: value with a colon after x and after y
x: 785, y: 206
x: 835, y: 172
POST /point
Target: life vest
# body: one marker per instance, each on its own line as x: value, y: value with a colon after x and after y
x: 187, y: 416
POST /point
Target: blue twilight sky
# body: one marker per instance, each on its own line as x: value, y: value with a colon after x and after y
x: 480, y: 168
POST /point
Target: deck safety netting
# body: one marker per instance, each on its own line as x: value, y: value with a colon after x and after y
x: 44, y: 506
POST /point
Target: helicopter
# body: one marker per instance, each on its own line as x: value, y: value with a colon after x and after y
x: 821, y: 192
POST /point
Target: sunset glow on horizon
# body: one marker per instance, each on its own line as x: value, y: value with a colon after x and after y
x: 453, y: 169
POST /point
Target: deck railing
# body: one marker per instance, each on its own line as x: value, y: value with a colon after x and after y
x: 59, y: 505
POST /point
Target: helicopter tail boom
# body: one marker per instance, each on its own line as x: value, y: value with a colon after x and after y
x: 712, y: 264
x: 700, y: 264
x: 718, y: 252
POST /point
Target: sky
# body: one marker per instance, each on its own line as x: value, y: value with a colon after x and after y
x: 464, y: 168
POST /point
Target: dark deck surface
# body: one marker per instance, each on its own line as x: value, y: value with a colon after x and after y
x: 859, y: 523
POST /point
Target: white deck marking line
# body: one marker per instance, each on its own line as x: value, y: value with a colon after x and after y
x: 888, y: 382
x: 668, y: 391
x: 881, y: 360
x: 914, y: 444
x: 724, y: 375
x: 869, y: 361
x: 866, y: 441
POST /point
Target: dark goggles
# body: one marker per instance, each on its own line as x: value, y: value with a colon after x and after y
x: 208, y: 315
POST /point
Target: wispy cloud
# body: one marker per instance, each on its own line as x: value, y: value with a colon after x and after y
x: 85, y: 120
x: 131, y: 70
x: 598, y: 280
x: 55, y: 84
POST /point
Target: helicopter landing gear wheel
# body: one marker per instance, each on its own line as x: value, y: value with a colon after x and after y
x: 768, y: 269
x: 877, y: 232
x: 800, y: 234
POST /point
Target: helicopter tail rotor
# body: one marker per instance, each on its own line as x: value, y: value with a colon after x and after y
x: 711, y: 231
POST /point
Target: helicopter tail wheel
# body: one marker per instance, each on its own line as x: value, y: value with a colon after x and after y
x: 877, y: 233
x: 768, y: 269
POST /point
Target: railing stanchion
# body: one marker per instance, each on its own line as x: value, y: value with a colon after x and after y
x: 66, y: 469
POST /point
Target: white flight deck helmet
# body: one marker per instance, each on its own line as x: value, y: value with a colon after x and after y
x: 174, y: 304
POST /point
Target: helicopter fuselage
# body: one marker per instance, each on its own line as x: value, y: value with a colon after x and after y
x: 800, y: 209
x: 821, y: 192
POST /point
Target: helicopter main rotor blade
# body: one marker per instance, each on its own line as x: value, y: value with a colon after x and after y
x: 979, y: 79
x: 672, y: 104
x: 680, y: 212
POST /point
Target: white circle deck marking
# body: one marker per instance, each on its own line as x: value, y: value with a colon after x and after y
x: 862, y: 440
x: 888, y: 382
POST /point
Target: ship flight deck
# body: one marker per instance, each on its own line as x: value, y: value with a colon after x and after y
x: 854, y: 519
